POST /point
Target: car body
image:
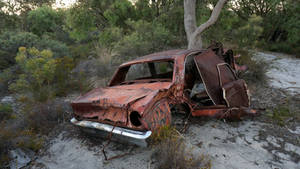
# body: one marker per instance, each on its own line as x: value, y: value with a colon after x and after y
x: 142, y: 93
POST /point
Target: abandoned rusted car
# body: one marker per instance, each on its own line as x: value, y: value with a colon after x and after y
x: 142, y: 93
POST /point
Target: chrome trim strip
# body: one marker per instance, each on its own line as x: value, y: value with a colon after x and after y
x: 137, y: 135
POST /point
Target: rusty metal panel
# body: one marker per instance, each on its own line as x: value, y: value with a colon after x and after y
x: 221, y: 83
x: 207, y: 63
x: 160, y: 115
x: 235, y: 95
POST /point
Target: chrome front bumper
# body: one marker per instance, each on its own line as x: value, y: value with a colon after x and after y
x: 136, y: 137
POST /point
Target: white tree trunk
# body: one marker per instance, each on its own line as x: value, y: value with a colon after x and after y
x: 193, y: 32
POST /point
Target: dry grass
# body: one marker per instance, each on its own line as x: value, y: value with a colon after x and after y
x: 172, y: 153
x: 106, y: 63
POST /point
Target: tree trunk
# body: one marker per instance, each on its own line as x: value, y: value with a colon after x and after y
x: 193, y: 32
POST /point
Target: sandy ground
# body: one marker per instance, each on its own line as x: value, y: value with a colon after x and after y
x: 251, y: 143
x: 284, y: 71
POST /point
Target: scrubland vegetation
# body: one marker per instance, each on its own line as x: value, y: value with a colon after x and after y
x: 47, y: 53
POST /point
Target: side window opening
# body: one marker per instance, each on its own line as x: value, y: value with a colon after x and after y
x: 194, y: 87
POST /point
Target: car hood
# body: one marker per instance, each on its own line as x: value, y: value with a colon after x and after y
x: 120, y: 96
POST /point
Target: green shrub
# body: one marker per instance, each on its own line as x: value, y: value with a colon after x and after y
x: 6, y: 77
x: 80, y: 51
x: 247, y: 35
x: 63, y: 80
x: 12, y: 138
x: 58, y: 48
x: 256, y: 70
x: 6, y: 112
x: 43, y: 117
x: 38, y: 72
x: 119, y: 12
x: 164, y: 133
x: 282, y: 113
x: 43, y: 20
x: 145, y: 38
x: 11, y: 41
x: 81, y: 22
x: 110, y: 36
x: 41, y: 76
x: 285, y: 47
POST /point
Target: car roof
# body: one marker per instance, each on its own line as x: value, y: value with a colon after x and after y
x: 165, y: 55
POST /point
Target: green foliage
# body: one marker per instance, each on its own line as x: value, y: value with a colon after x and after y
x: 145, y: 38
x: 11, y: 41
x: 5, y: 60
x: 119, y: 12
x: 59, y: 49
x: 43, y: 20
x: 81, y: 22
x: 38, y: 71
x: 6, y: 112
x: 143, y: 10
x: 164, y: 133
x: 63, y: 78
x: 110, y: 36
x: 80, y: 51
x: 255, y: 72
x: 12, y: 138
x: 281, y: 114
x: 249, y: 33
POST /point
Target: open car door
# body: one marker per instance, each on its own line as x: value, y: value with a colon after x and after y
x: 220, y: 81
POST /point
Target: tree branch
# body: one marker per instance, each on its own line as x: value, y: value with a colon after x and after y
x: 213, y: 18
x: 195, y: 38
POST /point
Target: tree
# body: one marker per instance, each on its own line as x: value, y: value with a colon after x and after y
x: 192, y: 31
x: 43, y: 20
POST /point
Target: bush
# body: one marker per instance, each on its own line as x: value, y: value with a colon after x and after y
x: 119, y: 12
x: 12, y: 138
x: 81, y: 22
x: 80, y: 51
x: 43, y: 117
x: 256, y: 70
x: 249, y: 33
x: 145, y: 38
x: 6, y: 112
x: 63, y: 81
x: 6, y: 77
x: 43, y: 20
x: 172, y: 152
x: 42, y: 76
x: 11, y: 41
x: 285, y: 47
x: 38, y: 71
x: 58, y: 48
x: 110, y: 36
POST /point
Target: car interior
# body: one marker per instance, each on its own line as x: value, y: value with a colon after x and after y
x: 194, y: 88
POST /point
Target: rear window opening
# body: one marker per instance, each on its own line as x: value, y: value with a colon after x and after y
x: 148, y: 72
